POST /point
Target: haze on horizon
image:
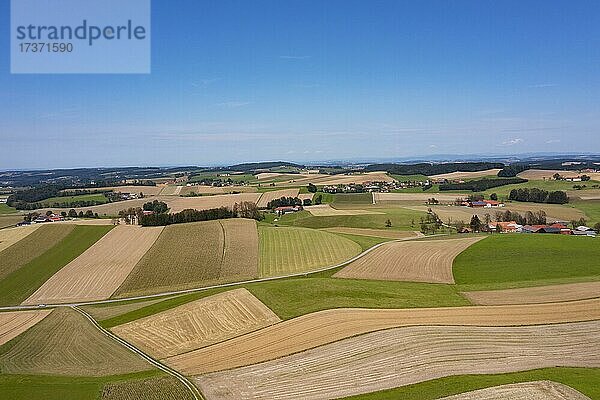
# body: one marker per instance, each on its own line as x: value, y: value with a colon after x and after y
x: 236, y: 81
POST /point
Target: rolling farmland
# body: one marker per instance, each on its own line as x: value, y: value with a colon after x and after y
x: 177, y: 204
x: 539, y: 174
x: 100, y: 270
x: 414, y: 197
x: 382, y: 233
x: 188, y: 255
x: 325, y: 210
x: 160, y: 388
x: 420, y: 261
x: 198, y: 324
x: 523, y: 391
x: 285, y: 250
x: 12, y: 324
x: 39, y: 240
x: 65, y: 343
x: 10, y: 236
x: 266, y: 197
x: 317, y: 329
x: 539, y: 294
x: 403, y: 356
x: 467, y: 175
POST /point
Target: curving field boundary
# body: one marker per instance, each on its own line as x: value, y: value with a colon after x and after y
x: 323, y: 327
x: 538, y: 294
x: 12, y: 324
x: 523, y: 391
x: 403, y: 356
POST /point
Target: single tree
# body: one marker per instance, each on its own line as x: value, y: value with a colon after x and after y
x: 388, y: 224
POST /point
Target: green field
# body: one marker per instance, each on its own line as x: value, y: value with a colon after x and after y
x: 401, y: 219
x: 5, y: 209
x: 21, y: 283
x: 286, y: 250
x: 42, y: 387
x: 584, y: 380
x: 353, y: 198
x: 518, y: 260
x: 591, y: 208
x: 66, y: 343
x: 95, y: 197
x: 365, y: 242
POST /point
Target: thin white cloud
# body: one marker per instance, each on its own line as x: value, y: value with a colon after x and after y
x: 288, y: 57
x: 202, y: 83
x: 512, y: 142
x: 233, y: 104
x: 552, y: 141
x: 542, y: 85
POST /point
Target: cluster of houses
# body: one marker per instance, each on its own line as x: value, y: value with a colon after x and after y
x: 557, y: 228
x: 287, y: 210
x: 376, y: 186
x: 482, y: 204
x: 43, y: 219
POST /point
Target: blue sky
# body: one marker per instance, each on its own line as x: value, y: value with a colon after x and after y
x: 318, y: 80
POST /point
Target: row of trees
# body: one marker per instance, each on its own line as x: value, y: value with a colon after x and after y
x: 239, y: 210
x: 71, y: 214
x: 535, y: 195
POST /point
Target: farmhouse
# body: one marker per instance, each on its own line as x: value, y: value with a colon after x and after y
x: 584, y: 231
x: 485, y: 204
x: 287, y: 209
x: 508, y: 227
x: 556, y: 228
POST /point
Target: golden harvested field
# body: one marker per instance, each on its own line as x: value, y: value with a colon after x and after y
x: 539, y: 174
x: 467, y: 175
x: 340, y: 179
x: 203, y: 189
x: 108, y: 209
x: 421, y: 261
x: 193, y: 254
x: 170, y: 190
x: 382, y: 233
x: 547, y: 390
x: 13, y: 323
x: 85, y: 221
x: 100, y: 270
x: 161, y: 388
x: 325, y: 210
x: 306, y: 196
x: 404, y: 356
x: 287, y: 250
x: 276, y: 194
x: 10, y: 236
x: 319, y: 328
x: 591, y: 194
x: 146, y: 190
x: 9, y: 220
x: 538, y: 294
x: 415, y: 197
x: 198, y: 324
x: 178, y: 204
x: 66, y: 343
x: 32, y: 246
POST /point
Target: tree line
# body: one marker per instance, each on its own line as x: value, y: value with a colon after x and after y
x: 239, y: 210
x: 535, y: 195
x: 433, y: 169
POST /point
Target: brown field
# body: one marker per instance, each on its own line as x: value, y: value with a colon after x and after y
x: 415, y: 197
x: 276, y: 194
x: 170, y: 190
x: 319, y: 328
x: 539, y: 294
x: 66, y: 343
x: 195, y: 254
x: 100, y: 270
x: 101, y: 312
x: 467, y: 175
x: 160, y: 388
x: 10, y: 220
x: 404, y: 356
x: 554, y: 212
x: 341, y: 179
x: 10, y: 236
x: 382, y: 233
x: 203, y: 189
x: 590, y: 194
x: 146, y: 190
x: 13, y: 323
x: 108, y: 209
x: 539, y: 174
x: 198, y: 324
x: 547, y: 390
x: 422, y: 261
x: 32, y: 246
x: 325, y: 210
x: 266, y: 176
x: 306, y: 196
x: 204, y: 203
x: 86, y: 221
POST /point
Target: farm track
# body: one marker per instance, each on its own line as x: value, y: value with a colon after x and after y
x: 101, y: 269
x: 415, y: 261
x: 185, y: 381
x: 398, y: 357
x: 547, y: 390
x: 323, y: 327
x: 538, y: 294
x: 198, y: 324
x: 12, y: 324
